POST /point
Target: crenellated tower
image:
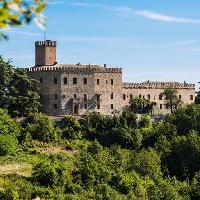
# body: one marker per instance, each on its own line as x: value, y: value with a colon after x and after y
x: 45, y: 53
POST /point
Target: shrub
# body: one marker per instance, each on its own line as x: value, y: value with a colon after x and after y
x: 8, y: 144
x: 71, y: 128
x: 7, y: 124
x: 42, y: 128
x: 49, y: 174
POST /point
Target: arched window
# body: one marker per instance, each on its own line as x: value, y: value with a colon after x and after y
x: 85, y: 81
x: 74, y: 81
x: 65, y: 81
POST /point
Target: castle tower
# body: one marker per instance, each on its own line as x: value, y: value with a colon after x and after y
x: 45, y: 53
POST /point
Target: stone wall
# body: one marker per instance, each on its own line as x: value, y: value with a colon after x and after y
x: 65, y: 96
x: 152, y: 91
x: 102, y: 92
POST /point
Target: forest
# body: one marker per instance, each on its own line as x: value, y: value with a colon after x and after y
x: 126, y: 156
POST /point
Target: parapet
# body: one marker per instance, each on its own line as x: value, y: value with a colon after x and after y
x: 46, y: 43
x: 158, y: 85
x: 75, y: 68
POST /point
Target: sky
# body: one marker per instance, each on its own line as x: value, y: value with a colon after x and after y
x: 156, y: 40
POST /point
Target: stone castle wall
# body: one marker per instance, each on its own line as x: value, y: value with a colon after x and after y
x: 105, y: 82
x: 153, y: 91
x: 76, y: 88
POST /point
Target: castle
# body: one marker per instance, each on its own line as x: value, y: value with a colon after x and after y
x: 77, y: 88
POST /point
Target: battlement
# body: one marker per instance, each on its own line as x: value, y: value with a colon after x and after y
x: 80, y: 69
x: 158, y: 85
x: 46, y: 43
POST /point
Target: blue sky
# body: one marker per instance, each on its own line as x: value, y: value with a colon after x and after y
x: 150, y: 39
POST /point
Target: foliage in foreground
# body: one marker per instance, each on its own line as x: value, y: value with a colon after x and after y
x: 119, y: 157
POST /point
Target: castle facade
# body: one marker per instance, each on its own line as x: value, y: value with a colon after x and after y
x: 76, y: 88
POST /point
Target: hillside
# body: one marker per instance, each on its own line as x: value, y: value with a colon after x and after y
x: 98, y: 157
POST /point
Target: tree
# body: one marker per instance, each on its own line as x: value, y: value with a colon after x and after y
x: 147, y: 162
x: 49, y: 174
x: 18, y: 92
x: 183, y: 157
x: 71, y: 128
x: 42, y: 128
x: 20, y: 12
x: 186, y: 119
x: 171, y: 99
x: 197, y: 98
x: 142, y: 105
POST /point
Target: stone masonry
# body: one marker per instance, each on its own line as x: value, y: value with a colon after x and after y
x: 76, y: 88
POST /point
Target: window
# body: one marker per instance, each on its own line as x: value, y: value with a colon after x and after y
x: 111, y: 81
x: 179, y: 96
x: 98, y: 105
x: 85, y: 105
x: 124, y: 97
x: 106, y: 81
x: 55, y: 80
x: 55, y: 106
x: 55, y: 96
x: 140, y: 96
x: 85, y: 97
x: 98, y: 97
x: 40, y: 81
x: 111, y: 106
x: 98, y: 81
x: 111, y: 96
x: 191, y: 97
x: 149, y: 96
x: 161, y: 106
x: 160, y: 97
x: 85, y: 81
x: 65, y: 81
x: 75, y: 96
x: 74, y: 81
x: 131, y: 96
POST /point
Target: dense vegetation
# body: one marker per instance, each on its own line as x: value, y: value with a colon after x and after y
x: 101, y: 157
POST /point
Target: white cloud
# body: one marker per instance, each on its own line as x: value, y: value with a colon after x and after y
x: 54, y: 2
x: 130, y: 12
x: 25, y: 33
x: 165, y: 18
x: 84, y: 4
x: 187, y: 42
x: 67, y: 38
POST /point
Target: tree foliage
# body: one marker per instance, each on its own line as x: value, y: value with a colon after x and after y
x: 7, y: 125
x: 142, y: 105
x: 171, y: 99
x: 8, y: 144
x: 118, y: 157
x: 42, y: 128
x: 18, y: 92
x: 20, y: 12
